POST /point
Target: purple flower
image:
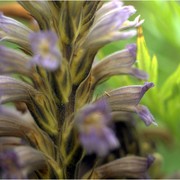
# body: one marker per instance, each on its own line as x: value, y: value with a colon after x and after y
x: 10, y: 165
x: 45, y: 50
x: 95, y: 134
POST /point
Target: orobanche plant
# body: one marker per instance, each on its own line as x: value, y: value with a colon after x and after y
x: 57, y: 128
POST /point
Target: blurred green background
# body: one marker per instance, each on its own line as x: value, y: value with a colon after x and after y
x: 162, y: 35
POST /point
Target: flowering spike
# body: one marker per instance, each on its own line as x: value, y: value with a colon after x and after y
x: 54, y: 88
x: 45, y: 113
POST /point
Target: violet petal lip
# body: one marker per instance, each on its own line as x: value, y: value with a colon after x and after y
x: 132, y: 49
x: 145, y: 115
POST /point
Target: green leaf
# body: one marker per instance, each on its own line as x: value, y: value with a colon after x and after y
x: 143, y: 57
x: 167, y: 88
x: 154, y: 70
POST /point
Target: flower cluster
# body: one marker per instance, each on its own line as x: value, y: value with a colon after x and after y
x: 54, y: 127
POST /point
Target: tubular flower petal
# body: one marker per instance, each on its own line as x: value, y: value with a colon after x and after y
x: 118, y: 63
x: 130, y: 166
x: 14, y: 31
x: 12, y: 89
x: 13, y: 61
x: 44, y: 12
x: 128, y: 98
